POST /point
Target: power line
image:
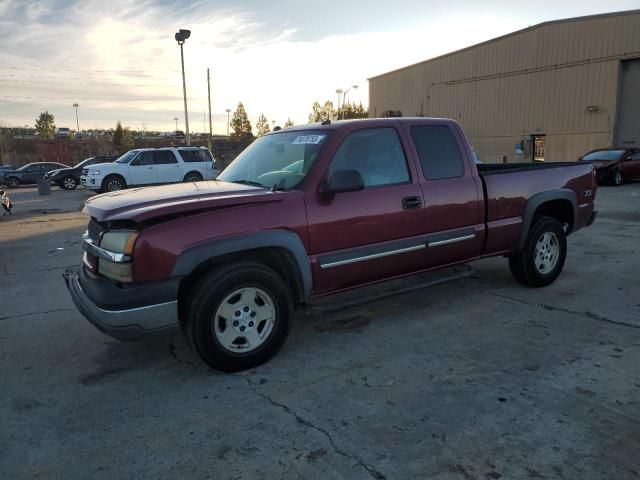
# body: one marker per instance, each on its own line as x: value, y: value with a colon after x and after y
x: 92, y: 84
x: 55, y: 77
x: 3, y: 67
x: 170, y: 99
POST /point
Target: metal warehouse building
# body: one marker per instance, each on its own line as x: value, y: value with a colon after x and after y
x: 549, y: 92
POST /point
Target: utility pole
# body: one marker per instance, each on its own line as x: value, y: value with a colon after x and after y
x: 209, y: 97
x: 75, y: 105
x: 180, y: 37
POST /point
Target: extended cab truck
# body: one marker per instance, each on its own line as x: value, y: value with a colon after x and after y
x: 151, y: 166
x: 228, y: 260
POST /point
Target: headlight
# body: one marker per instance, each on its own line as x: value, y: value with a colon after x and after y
x: 119, y: 241
x: 94, y: 172
x: 119, y: 244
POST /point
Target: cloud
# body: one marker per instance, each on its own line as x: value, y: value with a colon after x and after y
x: 119, y: 60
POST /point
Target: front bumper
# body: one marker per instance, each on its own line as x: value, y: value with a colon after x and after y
x: 92, y: 182
x: 125, y: 320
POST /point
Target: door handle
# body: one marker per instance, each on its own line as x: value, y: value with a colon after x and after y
x: 411, y: 203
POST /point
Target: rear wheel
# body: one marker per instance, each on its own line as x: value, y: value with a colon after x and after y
x: 113, y: 183
x: 543, y: 256
x: 12, y: 182
x: 192, y: 177
x: 69, y: 183
x: 238, y: 316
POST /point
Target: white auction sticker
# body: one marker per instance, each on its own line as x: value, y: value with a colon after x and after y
x: 308, y: 139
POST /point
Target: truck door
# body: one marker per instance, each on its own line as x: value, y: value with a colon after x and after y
x: 453, y: 214
x: 363, y: 236
x: 142, y: 169
x: 167, y: 167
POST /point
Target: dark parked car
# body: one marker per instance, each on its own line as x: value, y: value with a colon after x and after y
x: 6, y: 168
x: 228, y: 260
x: 69, y: 178
x: 27, y: 174
x: 615, y: 165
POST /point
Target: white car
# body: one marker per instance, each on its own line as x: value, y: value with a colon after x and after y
x: 151, y: 166
x: 63, y: 132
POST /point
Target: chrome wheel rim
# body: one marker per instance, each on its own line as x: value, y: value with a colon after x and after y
x: 69, y: 183
x: 114, y: 186
x: 13, y: 183
x: 244, y: 320
x: 618, y: 178
x: 547, y: 252
x: 193, y: 178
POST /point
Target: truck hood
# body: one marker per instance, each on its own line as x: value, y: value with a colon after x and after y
x: 140, y: 204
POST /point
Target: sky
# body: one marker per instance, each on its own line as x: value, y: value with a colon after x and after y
x: 119, y: 61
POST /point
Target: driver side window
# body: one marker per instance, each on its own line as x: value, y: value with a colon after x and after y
x: 144, y: 158
x: 376, y: 153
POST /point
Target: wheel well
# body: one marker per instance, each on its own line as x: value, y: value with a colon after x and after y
x: 561, y: 210
x: 193, y: 171
x: 276, y: 258
x: 114, y: 175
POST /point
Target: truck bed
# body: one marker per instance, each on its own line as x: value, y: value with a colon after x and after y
x: 510, y: 187
x: 498, y: 168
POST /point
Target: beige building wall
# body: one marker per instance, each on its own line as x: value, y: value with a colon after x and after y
x: 540, y: 80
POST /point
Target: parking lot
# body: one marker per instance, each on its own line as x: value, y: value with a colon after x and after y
x: 475, y: 378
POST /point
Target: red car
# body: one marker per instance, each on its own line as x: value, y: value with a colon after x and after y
x: 229, y: 260
x: 615, y: 165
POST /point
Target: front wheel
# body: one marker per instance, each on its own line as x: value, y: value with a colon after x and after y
x: 113, y: 183
x: 238, y: 316
x: 543, y: 256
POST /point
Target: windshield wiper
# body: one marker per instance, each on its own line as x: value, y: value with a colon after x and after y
x: 249, y: 182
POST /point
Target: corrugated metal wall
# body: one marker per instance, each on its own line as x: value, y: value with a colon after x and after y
x: 537, y: 81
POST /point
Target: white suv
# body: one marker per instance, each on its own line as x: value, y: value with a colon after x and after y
x: 151, y: 166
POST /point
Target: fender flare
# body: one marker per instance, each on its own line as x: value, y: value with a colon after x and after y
x: 189, y: 259
x: 543, y: 197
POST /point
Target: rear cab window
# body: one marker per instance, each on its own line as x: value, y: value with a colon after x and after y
x: 163, y: 157
x: 193, y: 156
x: 438, y: 151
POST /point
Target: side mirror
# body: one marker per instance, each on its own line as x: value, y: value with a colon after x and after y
x: 343, y: 181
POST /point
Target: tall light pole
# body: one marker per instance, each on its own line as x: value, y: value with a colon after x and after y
x: 228, y: 113
x: 75, y: 105
x: 339, y: 92
x: 176, y: 119
x: 181, y: 36
x: 344, y: 97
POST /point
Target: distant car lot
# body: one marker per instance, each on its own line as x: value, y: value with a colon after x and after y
x: 477, y: 378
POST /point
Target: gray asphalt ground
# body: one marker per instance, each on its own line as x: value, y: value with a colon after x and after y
x: 478, y: 378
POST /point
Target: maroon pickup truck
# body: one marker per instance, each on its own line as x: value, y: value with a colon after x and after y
x: 310, y: 211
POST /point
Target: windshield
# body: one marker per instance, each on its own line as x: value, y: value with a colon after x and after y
x: 127, y: 157
x: 603, y: 155
x: 24, y: 167
x: 279, y: 159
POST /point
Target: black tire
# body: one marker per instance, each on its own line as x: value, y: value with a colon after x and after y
x: 113, y: 183
x: 207, y: 296
x: 12, y: 182
x: 69, y: 182
x: 616, y: 178
x: 524, y: 266
x: 192, y: 177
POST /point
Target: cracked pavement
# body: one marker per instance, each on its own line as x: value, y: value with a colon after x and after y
x: 478, y: 378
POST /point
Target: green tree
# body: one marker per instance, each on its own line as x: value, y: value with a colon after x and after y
x: 320, y: 113
x: 351, y: 110
x: 45, y: 125
x: 122, y: 138
x: 263, y: 125
x: 289, y: 123
x: 240, y: 123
